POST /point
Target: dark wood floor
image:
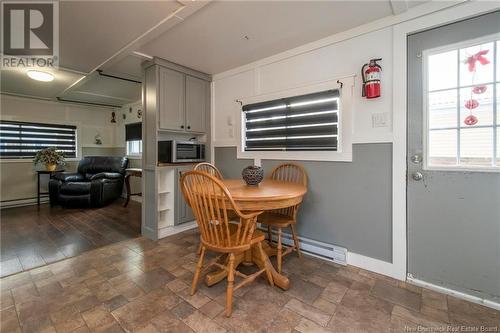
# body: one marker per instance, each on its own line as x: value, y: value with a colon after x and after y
x: 34, y: 236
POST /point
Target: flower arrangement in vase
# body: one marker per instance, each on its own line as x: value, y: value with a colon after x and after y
x: 50, y: 157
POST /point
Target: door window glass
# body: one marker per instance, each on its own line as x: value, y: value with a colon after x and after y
x: 462, y: 105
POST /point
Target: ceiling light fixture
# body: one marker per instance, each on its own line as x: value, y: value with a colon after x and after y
x: 40, y: 76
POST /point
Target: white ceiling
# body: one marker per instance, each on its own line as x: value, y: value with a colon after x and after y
x: 92, y: 32
x: 16, y: 82
x: 207, y: 36
x: 213, y: 40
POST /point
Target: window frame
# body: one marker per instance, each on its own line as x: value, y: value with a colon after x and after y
x: 425, y: 104
x: 133, y: 155
x: 78, y: 133
x: 127, y: 153
x: 344, y: 138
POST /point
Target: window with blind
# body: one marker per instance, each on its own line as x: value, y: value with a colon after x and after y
x: 133, y: 137
x: 21, y: 140
x: 300, y: 123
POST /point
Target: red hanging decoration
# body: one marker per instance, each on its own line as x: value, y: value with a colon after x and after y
x: 470, y: 120
x: 479, y: 90
x: 471, y: 104
x: 471, y: 61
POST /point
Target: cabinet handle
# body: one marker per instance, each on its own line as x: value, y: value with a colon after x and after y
x: 189, y: 127
x: 182, y: 126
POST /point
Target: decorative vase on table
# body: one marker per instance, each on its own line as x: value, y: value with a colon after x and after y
x: 253, y: 175
x: 51, y: 166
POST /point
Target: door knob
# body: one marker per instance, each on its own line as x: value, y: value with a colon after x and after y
x: 417, y: 175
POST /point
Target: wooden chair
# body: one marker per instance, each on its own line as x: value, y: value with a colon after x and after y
x: 286, y: 217
x: 213, y: 171
x: 210, y: 201
x: 208, y: 168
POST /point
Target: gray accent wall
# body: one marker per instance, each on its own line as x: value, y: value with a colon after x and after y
x: 348, y: 203
x: 226, y: 161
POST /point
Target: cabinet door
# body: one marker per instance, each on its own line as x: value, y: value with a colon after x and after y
x: 183, y: 212
x: 197, y: 92
x: 172, y: 99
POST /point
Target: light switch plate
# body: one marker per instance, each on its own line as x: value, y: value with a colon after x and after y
x: 380, y: 119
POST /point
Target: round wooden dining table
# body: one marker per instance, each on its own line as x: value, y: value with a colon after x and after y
x: 269, y: 194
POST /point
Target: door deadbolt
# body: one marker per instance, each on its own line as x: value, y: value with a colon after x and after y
x: 416, y: 159
x: 417, y: 175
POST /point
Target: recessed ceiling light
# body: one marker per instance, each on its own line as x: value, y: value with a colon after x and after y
x: 40, y: 76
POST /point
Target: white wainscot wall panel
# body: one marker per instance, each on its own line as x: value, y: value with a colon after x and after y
x: 225, y: 107
x: 325, y: 63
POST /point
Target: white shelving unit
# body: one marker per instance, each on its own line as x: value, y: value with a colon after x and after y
x: 166, y: 197
x: 164, y: 210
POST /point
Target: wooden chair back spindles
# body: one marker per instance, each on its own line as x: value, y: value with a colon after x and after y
x: 293, y: 173
x: 208, y: 168
x: 290, y: 172
x: 211, y: 203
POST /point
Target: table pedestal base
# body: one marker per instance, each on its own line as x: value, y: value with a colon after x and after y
x: 251, y: 257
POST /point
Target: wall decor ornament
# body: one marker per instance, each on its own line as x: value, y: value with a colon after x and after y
x: 98, y: 139
x: 113, y: 117
x: 471, y: 103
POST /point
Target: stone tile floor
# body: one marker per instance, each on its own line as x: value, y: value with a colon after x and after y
x: 143, y: 286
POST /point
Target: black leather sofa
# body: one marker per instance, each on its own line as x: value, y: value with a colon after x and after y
x: 99, y: 181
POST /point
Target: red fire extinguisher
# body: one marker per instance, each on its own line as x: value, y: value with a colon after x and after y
x: 371, y: 79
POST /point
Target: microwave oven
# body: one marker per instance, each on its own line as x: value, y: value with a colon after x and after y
x: 173, y: 151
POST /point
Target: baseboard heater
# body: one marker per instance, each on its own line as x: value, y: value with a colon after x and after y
x: 315, y: 248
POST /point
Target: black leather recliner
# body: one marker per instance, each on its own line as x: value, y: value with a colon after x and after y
x: 99, y: 180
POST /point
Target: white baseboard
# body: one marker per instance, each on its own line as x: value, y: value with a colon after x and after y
x: 136, y: 198
x: 175, y: 229
x: 23, y: 202
x: 454, y: 293
x: 374, y: 265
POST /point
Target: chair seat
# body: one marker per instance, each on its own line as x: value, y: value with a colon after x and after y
x: 275, y: 219
x: 258, y: 236
x: 75, y: 188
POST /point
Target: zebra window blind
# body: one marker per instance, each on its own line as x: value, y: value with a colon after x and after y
x: 20, y: 140
x: 299, y: 123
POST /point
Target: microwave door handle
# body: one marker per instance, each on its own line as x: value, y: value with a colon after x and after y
x: 174, y: 152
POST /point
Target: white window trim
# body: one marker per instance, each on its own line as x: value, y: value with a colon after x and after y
x: 344, y: 152
x: 425, y: 127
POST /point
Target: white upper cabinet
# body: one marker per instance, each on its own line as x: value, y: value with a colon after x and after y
x: 196, y: 104
x: 172, y: 100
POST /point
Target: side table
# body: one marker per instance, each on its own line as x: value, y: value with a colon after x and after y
x: 131, y: 172
x: 39, y: 173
